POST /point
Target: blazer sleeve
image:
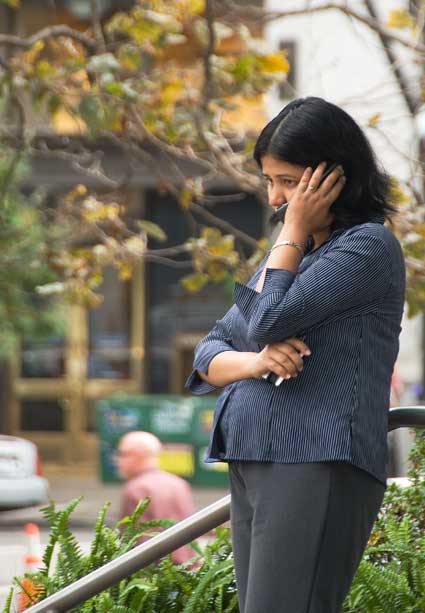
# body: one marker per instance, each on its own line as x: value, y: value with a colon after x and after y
x: 354, y: 274
x: 219, y: 339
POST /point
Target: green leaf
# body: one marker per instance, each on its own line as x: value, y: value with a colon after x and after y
x: 54, y: 104
x: 152, y: 229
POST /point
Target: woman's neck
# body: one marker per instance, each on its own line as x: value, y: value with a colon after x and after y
x: 320, y: 237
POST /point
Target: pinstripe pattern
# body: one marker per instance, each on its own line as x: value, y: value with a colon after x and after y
x: 347, y: 299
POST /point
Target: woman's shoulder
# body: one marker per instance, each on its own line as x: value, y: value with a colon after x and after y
x: 375, y: 229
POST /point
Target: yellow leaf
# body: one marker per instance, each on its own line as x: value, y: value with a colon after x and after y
x: 77, y: 192
x: 374, y: 120
x: 224, y: 247
x: 96, y: 211
x: 217, y: 271
x: 195, y: 7
x: 44, y: 69
x: 32, y: 54
x: 400, y: 19
x: 193, y: 283
x: 397, y: 195
x: 143, y: 30
x: 211, y: 235
x: 273, y: 62
x: 171, y: 92
x: 185, y: 197
x: 95, y: 280
x: 264, y: 243
x: 125, y: 270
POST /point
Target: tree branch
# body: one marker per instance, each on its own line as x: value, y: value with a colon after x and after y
x: 223, y: 225
x: 208, y: 92
x: 150, y: 257
x: 410, y: 100
x: 10, y: 173
x: 267, y: 16
x: 97, y: 26
x: 10, y: 40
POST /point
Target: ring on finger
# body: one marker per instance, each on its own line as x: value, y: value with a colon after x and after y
x: 312, y: 188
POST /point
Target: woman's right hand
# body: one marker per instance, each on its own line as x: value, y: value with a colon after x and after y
x: 285, y: 359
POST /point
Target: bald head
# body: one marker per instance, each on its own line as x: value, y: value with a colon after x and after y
x: 136, y: 452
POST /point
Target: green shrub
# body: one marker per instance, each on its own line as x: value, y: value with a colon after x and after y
x: 162, y: 587
x: 390, y: 578
x: 391, y: 575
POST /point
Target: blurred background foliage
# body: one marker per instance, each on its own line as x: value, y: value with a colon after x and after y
x: 167, y: 78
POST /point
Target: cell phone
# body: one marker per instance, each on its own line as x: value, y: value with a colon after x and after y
x: 272, y: 377
x: 327, y: 172
x: 279, y: 214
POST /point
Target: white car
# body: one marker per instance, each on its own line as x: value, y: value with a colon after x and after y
x: 21, y: 483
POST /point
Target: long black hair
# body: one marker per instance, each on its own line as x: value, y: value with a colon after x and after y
x: 310, y: 130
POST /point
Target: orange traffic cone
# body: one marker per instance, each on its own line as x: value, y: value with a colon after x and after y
x: 32, y: 561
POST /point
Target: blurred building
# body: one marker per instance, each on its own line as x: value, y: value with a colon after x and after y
x: 141, y: 339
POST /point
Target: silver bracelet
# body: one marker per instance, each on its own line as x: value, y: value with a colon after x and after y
x: 298, y: 246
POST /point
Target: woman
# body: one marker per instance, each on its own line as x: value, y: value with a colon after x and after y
x: 308, y: 458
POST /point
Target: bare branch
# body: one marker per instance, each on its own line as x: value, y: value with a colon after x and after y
x: 209, y: 50
x: 20, y: 145
x: 224, y: 225
x: 97, y: 26
x: 415, y: 265
x: 149, y: 257
x: 78, y: 162
x: 410, y: 100
x: 10, y: 40
x: 267, y: 16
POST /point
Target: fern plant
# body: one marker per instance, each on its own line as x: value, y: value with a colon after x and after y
x: 204, y: 584
x: 391, y: 575
x: 390, y: 578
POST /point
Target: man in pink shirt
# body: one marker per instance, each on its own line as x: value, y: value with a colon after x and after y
x: 170, y: 495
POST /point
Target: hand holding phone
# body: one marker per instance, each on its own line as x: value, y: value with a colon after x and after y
x: 279, y: 214
x: 327, y: 172
x: 272, y: 377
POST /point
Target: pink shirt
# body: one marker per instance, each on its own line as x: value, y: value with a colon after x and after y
x: 171, y: 498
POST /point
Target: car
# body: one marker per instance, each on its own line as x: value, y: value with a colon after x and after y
x: 21, y: 481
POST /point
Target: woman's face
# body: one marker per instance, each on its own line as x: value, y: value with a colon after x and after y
x: 282, y: 179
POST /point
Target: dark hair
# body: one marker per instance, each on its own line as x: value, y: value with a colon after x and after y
x: 310, y: 130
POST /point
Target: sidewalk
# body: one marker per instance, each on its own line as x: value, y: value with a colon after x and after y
x: 66, y: 487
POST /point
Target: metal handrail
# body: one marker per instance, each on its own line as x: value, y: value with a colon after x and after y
x: 158, y: 546
x: 406, y: 417
x: 178, y: 535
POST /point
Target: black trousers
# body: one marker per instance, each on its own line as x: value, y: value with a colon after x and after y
x: 299, y: 532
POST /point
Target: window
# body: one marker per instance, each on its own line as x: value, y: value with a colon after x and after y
x: 42, y: 415
x: 110, y: 330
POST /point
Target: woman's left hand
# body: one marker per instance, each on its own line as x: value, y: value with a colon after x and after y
x: 309, y: 206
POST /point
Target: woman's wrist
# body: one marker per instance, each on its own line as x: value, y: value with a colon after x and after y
x: 229, y: 366
x: 293, y: 233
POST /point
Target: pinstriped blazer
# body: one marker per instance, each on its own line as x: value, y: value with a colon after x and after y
x: 347, y: 299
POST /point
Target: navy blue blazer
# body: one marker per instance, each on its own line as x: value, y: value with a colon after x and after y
x: 347, y: 300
